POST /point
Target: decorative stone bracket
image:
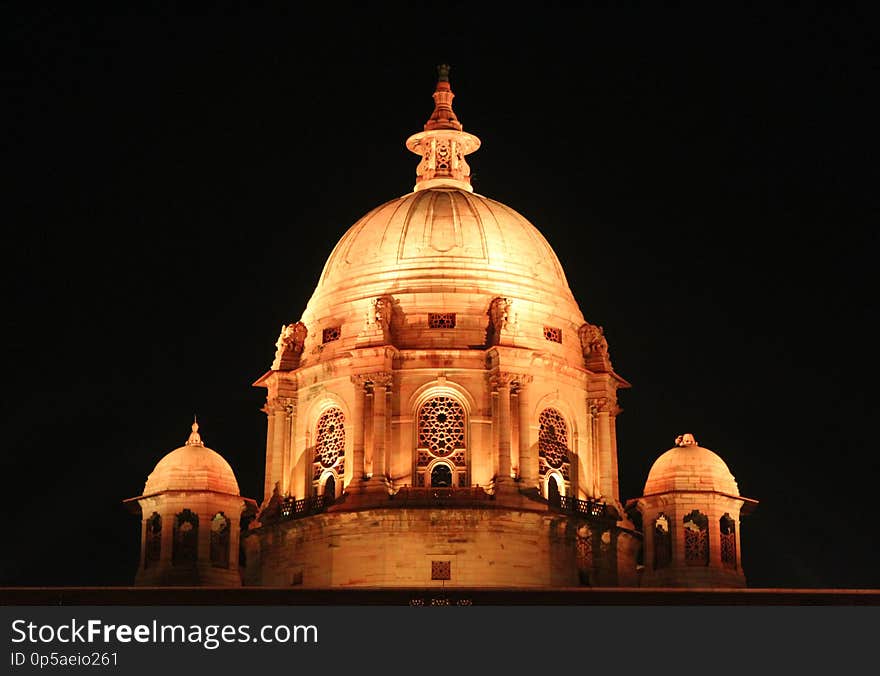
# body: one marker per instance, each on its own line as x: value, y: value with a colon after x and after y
x: 289, y: 347
x: 595, y: 348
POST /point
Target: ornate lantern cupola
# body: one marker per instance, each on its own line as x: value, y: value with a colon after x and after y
x: 443, y: 145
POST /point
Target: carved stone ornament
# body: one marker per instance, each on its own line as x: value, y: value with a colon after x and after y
x: 685, y: 440
x: 286, y: 404
x: 504, y: 379
x: 519, y: 385
x: 499, y: 317
x: 289, y: 346
x: 369, y: 380
x: 382, y: 312
x: 593, y: 340
x: 596, y: 405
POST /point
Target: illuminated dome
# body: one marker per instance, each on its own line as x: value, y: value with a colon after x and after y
x: 192, y: 467
x: 441, y: 361
x: 689, y: 467
x: 444, y: 249
x: 432, y: 238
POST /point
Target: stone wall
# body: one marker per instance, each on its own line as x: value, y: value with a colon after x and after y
x: 397, y: 547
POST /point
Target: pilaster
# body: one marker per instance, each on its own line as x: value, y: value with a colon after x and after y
x: 603, y: 411
x: 528, y: 458
x: 358, y: 468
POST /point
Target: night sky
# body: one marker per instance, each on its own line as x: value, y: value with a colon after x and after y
x: 176, y: 181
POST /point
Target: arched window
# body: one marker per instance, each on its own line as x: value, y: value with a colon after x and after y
x: 153, y: 540
x: 728, y: 542
x: 441, y: 434
x: 696, y: 539
x: 553, y: 493
x: 186, y: 538
x: 441, y: 476
x: 329, y: 445
x: 329, y: 490
x: 553, y: 446
x: 220, y: 541
x: 662, y: 542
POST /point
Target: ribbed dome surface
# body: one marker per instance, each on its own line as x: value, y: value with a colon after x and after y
x: 449, y: 245
x: 437, y: 238
x: 690, y: 468
x: 192, y: 467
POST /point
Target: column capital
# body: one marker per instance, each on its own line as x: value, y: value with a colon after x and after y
x: 383, y: 379
x: 377, y: 379
x: 521, y: 382
x: 505, y: 379
x: 361, y: 381
x: 596, y: 405
x: 277, y: 404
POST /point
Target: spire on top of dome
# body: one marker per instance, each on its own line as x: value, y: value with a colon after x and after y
x: 442, y: 145
x: 443, y: 116
x: 194, y: 438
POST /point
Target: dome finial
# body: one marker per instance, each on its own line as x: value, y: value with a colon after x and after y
x: 443, y: 116
x: 685, y: 440
x: 194, y: 438
x: 443, y: 145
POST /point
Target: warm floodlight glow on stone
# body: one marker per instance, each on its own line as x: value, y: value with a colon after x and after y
x: 442, y: 414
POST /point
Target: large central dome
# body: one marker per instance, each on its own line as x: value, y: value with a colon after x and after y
x: 432, y: 239
x: 443, y: 249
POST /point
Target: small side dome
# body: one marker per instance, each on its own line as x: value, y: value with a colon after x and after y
x: 192, y: 467
x: 690, y: 467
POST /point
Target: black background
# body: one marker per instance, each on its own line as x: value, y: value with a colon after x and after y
x: 178, y: 177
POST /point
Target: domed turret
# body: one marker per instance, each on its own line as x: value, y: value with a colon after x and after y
x: 689, y: 467
x: 690, y: 513
x: 192, y: 467
x: 191, y: 511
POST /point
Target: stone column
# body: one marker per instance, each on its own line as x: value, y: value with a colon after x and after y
x: 592, y: 440
x: 676, y: 527
x: 358, y: 468
x: 713, y: 514
x: 167, y: 538
x: 368, y: 429
x: 144, y: 517
x: 381, y: 383
x: 648, y: 534
x: 528, y: 457
x: 600, y: 409
x: 736, y: 521
x: 287, y: 409
x: 272, y: 472
x: 501, y: 382
x: 612, y: 436
x: 281, y: 412
x: 203, y: 558
x: 234, y: 539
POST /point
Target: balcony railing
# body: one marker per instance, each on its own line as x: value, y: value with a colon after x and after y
x: 297, y: 509
x: 591, y: 509
x: 410, y: 496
